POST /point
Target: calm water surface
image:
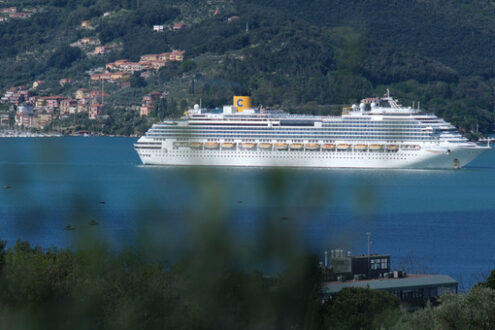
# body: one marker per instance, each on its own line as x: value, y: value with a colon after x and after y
x: 438, y: 221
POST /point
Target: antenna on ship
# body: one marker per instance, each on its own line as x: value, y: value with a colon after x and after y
x: 388, y: 92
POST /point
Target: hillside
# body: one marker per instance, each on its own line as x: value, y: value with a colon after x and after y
x: 303, y: 56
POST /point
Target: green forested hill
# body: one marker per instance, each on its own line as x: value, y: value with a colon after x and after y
x: 302, y: 55
x: 457, y: 33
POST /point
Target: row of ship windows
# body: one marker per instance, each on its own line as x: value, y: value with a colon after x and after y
x: 294, y: 128
x: 327, y: 157
x: 317, y: 137
x: 282, y: 133
x: 348, y: 132
x: 344, y: 123
x: 372, y: 155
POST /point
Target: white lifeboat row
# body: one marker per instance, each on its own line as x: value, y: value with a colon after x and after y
x: 282, y: 146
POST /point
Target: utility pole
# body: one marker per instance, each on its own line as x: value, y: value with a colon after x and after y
x: 369, y: 242
x: 369, y: 249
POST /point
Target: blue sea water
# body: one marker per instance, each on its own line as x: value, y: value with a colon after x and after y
x: 439, y: 221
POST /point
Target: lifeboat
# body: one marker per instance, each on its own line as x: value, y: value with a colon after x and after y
x: 410, y: 147
x: 360, y: 147
x: 265, y: 146
x: 249, y: 145
x: 312, y: 146
x: 342, y: 146
x: 281, y: 146
x: 195, y: 145
x: 296, y: 146
x: 329, y: 146
x: 228, y: 145
x: 392, y: 147
x: 181, y: 144
x: 211, y: 145
x: 376, y: 146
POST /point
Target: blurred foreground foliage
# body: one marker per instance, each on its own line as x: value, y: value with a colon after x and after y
x: 95, y: 288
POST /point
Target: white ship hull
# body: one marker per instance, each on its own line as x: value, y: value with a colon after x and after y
x: 426, y: 158
x: 374, y: 137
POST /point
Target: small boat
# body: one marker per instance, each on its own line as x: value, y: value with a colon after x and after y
x: 6, y: 187
x: 212, y: 145
x: 360, y: 147
x: 392, y: 147
x: 195, y: 145
x: 376, y: 146
x: 228, y: 145
x: 296, y: 146
x: 312, y: 146
x: 69, y: 227
x: 342, y: 146
x: 101, y: 202
x: 329, y: 146
x: 265, y: 146
x: 281, y: 146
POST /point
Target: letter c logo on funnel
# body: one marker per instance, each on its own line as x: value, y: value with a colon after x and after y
x: 239, y: 103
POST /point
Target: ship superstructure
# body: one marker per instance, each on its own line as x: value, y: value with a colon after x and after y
x: 379, y: 133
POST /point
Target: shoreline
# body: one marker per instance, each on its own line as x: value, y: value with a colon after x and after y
x: 27, y: 134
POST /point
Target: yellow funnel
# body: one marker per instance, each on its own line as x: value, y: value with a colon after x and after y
x: 242, y: 103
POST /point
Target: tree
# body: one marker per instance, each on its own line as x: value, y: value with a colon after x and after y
x: 357, y: 308
x: 475, y: 310
x: 137, y: 81
x: 490, y: 282
x: 161, y: 108
x: 64, y: 56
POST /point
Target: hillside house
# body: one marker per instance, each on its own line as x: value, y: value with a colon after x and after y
x: 178, y: 26
x: 146, y: 110
x: 50, y: 103
x: 9, y: 10
x: 149, y: 58
x: 38, y: 83
x: 101, y: 50
x: 81, y: 93
x: 40, y: 121
x: 20, y: 15
x: 66, y: 82
x: 68, y: 107
x: 83, y: 105
x: 151, y: 97
x: 24, y: 119
x: 175, y: 55
x: 95, y: 111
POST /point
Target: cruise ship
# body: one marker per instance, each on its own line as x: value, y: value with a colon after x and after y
x: 377, y: 133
